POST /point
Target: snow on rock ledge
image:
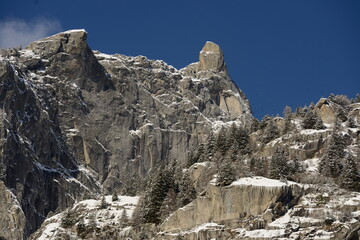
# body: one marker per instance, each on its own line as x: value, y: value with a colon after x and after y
x: 227, y: 205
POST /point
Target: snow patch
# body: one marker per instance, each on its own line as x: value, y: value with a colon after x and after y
x: 260, y: 181
x: 311, y: 165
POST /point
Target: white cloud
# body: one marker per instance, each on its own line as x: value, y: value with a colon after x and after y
x: 16, y: 32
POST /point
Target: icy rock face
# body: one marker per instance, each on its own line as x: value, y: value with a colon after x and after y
x: 228, y: 205
x: 12, y: 220
x: 38, y: 165
x: 74, y: 120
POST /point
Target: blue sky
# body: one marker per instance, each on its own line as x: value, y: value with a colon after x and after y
x: 278, y: 52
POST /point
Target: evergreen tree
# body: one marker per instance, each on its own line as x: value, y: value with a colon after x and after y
x: 300, y: 112
x: 357, y: 98
x: 254, y: 125
x: 226, y: 173
x: 222, y: 143
x: 295, y: 166
x: 210, y: 147
x: 259, y: 166
x: 287, y: 112
x: 132, y: 185
x: 199, y: 156
x: 187, y: 191
x: 271, y: 132
x: 115, y: 196
x: 155, y: 195
x: 68, y: 219
x: 81, y: 228
x: 319, y: 124
x: 287, y: 120
x: 230, y: 135
x: 342, y: 100
x: 124, y: 220
x: 279, y: 164
x: 312, y: 106
x: 103, y: 203
x: 92, y: 221
x: 309, y: 121
x: 350, y: 178
x: 2, y: 170
x: 233, y: 153
x: 264, y: 122
x: 169, y: 205
x: 330, y: 164
x: 341, y: 114
x: 351, y: 124
x: 241, y: 136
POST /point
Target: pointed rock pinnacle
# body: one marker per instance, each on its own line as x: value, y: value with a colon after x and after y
x: 211, y: 58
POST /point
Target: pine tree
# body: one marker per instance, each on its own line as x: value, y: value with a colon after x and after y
x: 81, y: 228
x: 92, y: 221
x: 222, y: 143
x: 309, y: 121
x: 187, y: 191
x: 264, y: 122
x: 294, y: 166
x: 169, y: 205
x: 115, y: 196
x: 68, y: 219
x: 341, y: 114
x: 300, y: 112
x: 210, y: 147
x: 233, y: 153
x: 350, y: 178
x: 271, y: 132
x: 131, y: 185
x: 351, y: 123
x: 287, y: 112
x: 254, y: 125
x: 357, y: 98
x: 2, y: 170
x: 226, y: 173
x: 259, y: 166
x: 287, y: 120
x: 242, y: 138
x: 155, y: 195
x: 319, y: 124
x: 124, y: 220
x: 342, y: 100
x: 199, y: 156
x: 330, y: 164
x: 103, y: 203
x: 279, y: 164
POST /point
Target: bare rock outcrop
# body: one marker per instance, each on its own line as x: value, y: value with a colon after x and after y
x: 229, y: 205
x: 12, y: 220
x: 211, y: 58
x: 325, y: 111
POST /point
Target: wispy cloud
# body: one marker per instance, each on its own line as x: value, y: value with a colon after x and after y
x: 16, y: 32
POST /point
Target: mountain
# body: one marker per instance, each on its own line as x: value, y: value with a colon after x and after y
x: 77, y: 121
x: 97, y: 146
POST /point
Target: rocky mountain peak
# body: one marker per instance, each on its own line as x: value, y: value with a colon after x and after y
x: 70, y: 42
x: 211, y: 58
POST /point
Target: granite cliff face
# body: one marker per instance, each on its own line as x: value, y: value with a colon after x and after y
x: 77, y: 124
x: 77, y: 121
